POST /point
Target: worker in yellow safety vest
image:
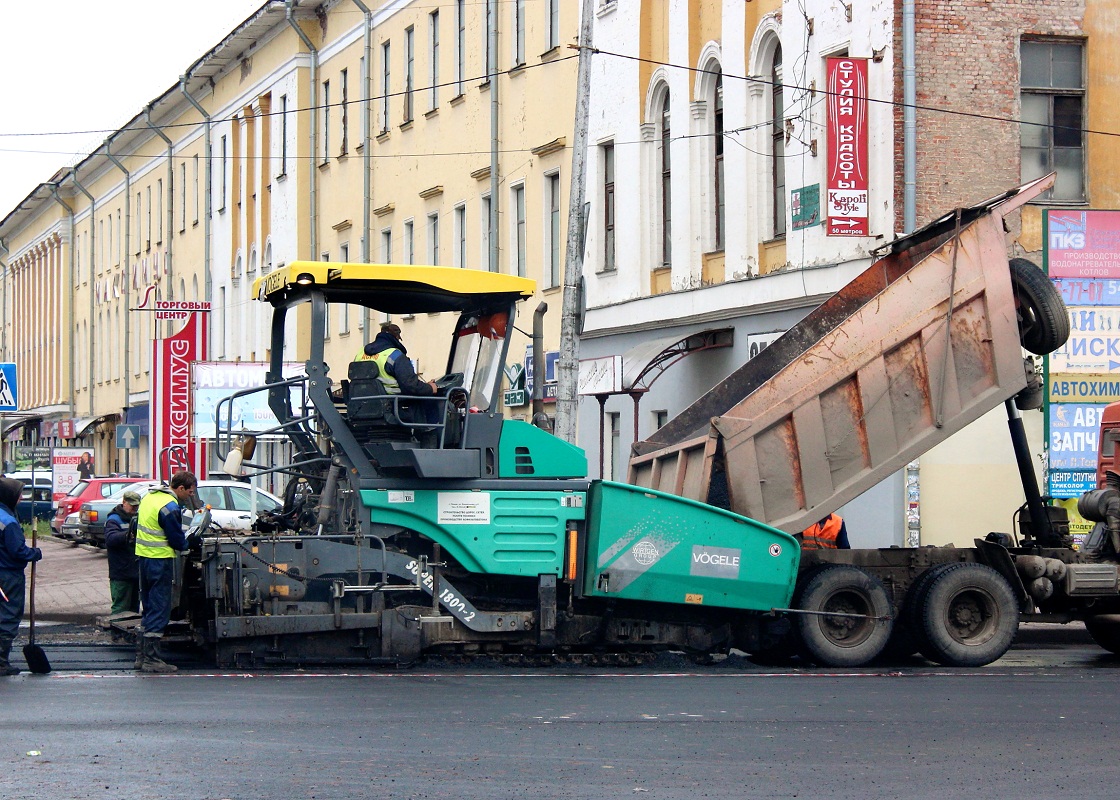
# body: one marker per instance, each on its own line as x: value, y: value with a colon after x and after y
x: 159, y: 540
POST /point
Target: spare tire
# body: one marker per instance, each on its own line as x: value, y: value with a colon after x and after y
x: 843, y: 641
x: 1042, y: 315
x: 969, y: 616
x: 1106, y: 634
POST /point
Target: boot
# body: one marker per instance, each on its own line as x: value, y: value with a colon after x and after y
x: 152, y: 660
x: 139, y: 663
x: 6, y: 666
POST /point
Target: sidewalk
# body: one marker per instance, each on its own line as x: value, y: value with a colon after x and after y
x: 71, y: 583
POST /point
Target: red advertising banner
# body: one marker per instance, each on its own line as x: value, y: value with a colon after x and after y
x: 847, y: 147
x: 1083, y: 244
x: 170, y: 406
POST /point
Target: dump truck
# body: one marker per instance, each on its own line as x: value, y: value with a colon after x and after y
x: 417, y: 526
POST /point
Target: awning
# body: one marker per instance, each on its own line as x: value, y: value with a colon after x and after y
x: 22, y: 422
x: 643, y: 364
x: 83, y: 426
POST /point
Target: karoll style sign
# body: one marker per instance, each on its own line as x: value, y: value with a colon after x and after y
x: 847, y: 147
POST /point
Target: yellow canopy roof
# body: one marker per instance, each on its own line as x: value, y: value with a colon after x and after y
x: 392, y: 288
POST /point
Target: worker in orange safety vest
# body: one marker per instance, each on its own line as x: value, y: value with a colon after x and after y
x: 829, y: 534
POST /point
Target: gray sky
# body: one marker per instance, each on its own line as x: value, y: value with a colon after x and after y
x: 78, y: 70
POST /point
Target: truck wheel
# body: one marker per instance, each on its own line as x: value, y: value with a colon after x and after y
x: 1043, y: 320
x: 907, y: 639
x: 1106, y: 634
x: 969, y: 616
x: 843, y: 641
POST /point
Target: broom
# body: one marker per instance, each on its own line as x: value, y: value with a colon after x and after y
x: 33, y: 654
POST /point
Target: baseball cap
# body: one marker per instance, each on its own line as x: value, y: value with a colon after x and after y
x: 132, y: 498
x: 391, y: 327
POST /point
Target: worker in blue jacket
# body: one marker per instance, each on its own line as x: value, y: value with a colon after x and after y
x: 15, y: 555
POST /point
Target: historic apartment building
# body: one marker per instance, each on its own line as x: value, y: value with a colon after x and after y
x: 401, y: 132
x: 709, y: 164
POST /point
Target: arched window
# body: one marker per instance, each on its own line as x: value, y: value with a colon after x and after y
x: 719, y: 205
x: 666, y: 171
x: 778, y: 149
x: 266, y: 265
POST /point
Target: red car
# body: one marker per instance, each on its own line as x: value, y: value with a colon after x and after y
x: 84, y: 491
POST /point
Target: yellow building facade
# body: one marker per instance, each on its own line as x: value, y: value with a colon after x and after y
x: 340, y: 131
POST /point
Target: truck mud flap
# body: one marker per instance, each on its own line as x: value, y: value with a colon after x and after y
x: 996, y: 556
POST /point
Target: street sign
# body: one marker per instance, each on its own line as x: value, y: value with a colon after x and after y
x: 9, y: 396
x: 128, y: 437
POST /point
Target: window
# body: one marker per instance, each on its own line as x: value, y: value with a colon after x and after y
x: 409, y: 75
x: 666, y: 186
x: 433, y: 59
x: 433, y: 238
x: 385, y: 76
x: 220, y: 322
x: 222, y: 167
x: 409, y: 242
x: 326, y: 121
x: 518, y: 199
x: 105, y: 249
x: 460, y: 236
x: 195, y: 170
x: 778, y: 150
x: 387, y: 246
x: 283, y: 135
x: 159, y: 211
x: 484, y: 234
x: 325, y: 257
x: 120, y: 235
x: 491, y: 65
x: 552, y: 9
x: 148, y: 218
x: 518, y: 32
x: 139, y: 224
x: 1052, y: 94
x: 344, y: 115
x: 182, y: 196
x: 344, y: 309
x: 460, y: 45
x: 717, y: 167
x: 552, y: 225
x: 607, y: 151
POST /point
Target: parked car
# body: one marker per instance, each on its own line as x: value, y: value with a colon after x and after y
x: 42, y: 503
x: 230, y: 502
x: 83, y: 491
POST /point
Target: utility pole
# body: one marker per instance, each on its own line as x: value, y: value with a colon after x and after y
x: 568, y: 367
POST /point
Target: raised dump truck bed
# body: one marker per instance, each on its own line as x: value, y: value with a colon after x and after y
x: 925, y: 341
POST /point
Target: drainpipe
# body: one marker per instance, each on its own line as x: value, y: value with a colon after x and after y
x: 909, y: 120
x: 492, y: 79
x: 170, y: 200
x: 69, y: 283
x: 207, y: 289
x: 367, y: 156
x: 127, y: 250
x: 92, y: 255
x: 314, y: 171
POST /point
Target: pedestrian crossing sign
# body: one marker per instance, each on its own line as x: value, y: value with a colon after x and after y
x: 9, y: 396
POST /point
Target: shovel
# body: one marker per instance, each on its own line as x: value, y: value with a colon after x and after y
x: 33, y: 654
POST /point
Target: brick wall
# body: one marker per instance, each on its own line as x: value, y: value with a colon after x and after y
x: 968, y: 61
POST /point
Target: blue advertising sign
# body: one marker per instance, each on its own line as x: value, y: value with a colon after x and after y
x: 9, y: 394
x: 1071, y: 483
x: 216, y: 380
x: 1074, y: 430
x: 1094, y: 341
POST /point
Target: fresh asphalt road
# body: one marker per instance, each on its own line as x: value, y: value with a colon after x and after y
x: 1027, y: 727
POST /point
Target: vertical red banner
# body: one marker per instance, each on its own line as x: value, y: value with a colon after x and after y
x: 170, y: 405
x: 847, y: 147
